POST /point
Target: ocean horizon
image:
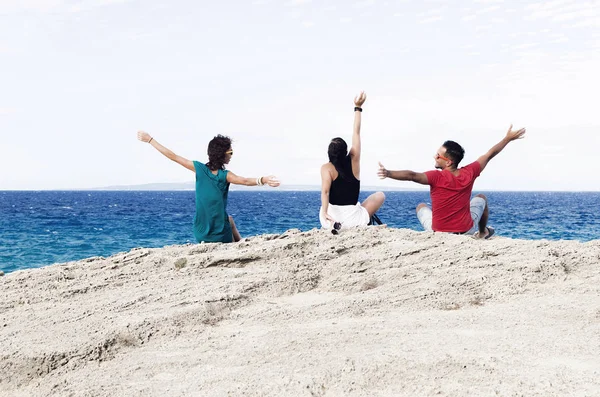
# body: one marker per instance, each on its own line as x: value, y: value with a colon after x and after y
x: 43, y: 227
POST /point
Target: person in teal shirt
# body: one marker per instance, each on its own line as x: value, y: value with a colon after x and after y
x: 211, y: 222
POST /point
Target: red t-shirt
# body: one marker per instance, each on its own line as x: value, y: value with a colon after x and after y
x: 451, y: 197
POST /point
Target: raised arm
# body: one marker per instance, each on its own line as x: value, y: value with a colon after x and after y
x: 497, y: 148
x: 406, y: 175
x: 354, y: 153
x: 262, y: 180
x: 145, y: 137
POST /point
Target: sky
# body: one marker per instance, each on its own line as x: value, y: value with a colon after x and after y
x: 80, y: 78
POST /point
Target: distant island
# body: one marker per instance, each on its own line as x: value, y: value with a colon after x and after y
x: 191, y: 186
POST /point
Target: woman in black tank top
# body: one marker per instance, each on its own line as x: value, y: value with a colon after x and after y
x: 340, y: 181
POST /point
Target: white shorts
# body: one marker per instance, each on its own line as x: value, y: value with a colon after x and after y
x: 347, y: 215
x: 477, y: 207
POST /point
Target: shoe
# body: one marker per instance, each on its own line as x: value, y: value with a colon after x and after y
x: 490, y: 230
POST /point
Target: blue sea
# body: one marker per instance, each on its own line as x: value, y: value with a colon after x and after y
x: 45, y: 227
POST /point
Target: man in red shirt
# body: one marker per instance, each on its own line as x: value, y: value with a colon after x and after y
x: 451, y: 188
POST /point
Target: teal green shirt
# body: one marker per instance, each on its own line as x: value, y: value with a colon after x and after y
x: 211, y: 222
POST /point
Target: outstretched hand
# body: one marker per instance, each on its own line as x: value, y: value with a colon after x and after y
x: 143, y: 136
x: 382, y: 173
x: 512, y: 135
x: 271, y: 180
x: 360, y: 99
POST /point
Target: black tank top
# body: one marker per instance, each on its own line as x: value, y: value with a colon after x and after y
x: 344, y: 189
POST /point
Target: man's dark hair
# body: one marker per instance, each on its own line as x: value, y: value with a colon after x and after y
x: 216, y: 152
x: 454, y: 151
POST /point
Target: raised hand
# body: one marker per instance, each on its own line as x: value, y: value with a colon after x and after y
x: 512, y: 135
x: 382, y: 173
x: 271, y: 180
x: 143, y: 136
x: 360, y: 99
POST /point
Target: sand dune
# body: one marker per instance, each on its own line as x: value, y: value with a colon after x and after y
x: 372, y: 311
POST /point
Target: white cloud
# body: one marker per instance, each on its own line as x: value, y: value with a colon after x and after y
x: 433, y: 11
x: 487, y: 10
x: 298, y: 3
x: 558, y: 38
x: 364, y: 3
x: 7, y: 110
x: 53, y: 6
x: 552, y: 151
x: 518, y: 71
x: 582, y: 14
x: 13, y: 6
x: 432, y: 15
x: 108, y: 2
x: 431, y: 19
x: 588, y: 23
x: 139, y: 35
x: 523, y: 46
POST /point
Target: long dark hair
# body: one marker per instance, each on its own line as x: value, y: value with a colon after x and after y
x: 338, y: 156
x: 216, y: 152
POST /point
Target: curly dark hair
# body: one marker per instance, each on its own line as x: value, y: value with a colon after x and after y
x: 216, y: 152
x: 454, y: 151
x: 338, y: 156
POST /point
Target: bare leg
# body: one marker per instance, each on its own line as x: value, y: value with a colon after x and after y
x: 236, y: 234
x: 374, y: 202
x: 483, y: 232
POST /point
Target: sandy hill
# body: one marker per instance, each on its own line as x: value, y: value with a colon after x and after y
x: 372, y: 311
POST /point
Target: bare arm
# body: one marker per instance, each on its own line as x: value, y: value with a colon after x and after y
x: 354, y: 153
x: 405, y: 175
x: 263, y: 180
x: 497, y: 148
x: 325, y: 187
x: 145, y: 137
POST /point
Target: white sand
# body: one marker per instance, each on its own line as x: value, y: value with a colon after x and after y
x: 370, y: 312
